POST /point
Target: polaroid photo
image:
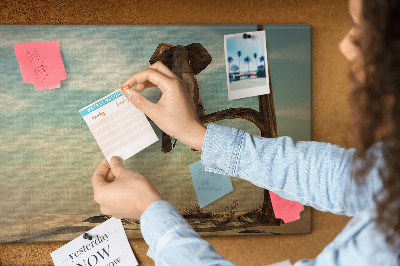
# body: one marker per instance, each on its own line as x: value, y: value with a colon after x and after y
x: 246, y: 64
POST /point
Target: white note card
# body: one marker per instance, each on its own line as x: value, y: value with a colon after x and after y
x: 118, y: 126
x: 109, y: 247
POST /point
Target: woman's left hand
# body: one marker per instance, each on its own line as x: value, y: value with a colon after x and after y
x: 126, y: 197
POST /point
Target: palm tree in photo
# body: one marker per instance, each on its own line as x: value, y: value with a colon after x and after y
x: 255, y: 57
x: 262, y: 59
x: 230, y: 60
x: 234, y: 68
x: 247, y: 60
x: 239, y: 54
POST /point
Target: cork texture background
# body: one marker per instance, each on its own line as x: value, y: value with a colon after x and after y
x: 330, y: 22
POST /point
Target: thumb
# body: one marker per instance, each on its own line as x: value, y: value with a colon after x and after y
x: 138, y: 100
x: 117, y: 167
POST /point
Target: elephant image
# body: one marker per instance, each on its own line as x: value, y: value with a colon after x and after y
x: 185, y: 62
x: 188, y: 61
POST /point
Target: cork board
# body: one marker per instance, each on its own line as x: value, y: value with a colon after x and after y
x: 330, y: 111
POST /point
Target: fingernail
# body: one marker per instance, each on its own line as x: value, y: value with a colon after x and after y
x: 129, y: 93
x: 115, y: 160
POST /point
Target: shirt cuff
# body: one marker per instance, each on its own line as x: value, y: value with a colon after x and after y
x: 158, y: 219
x: 222, y: 148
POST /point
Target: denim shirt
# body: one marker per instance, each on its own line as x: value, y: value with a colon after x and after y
x: 312, y: 173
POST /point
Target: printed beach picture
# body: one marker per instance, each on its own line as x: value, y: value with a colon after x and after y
x: 49, y: 154
x: 246, y: 64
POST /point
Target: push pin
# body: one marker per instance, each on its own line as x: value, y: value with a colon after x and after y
x: 87, y: 236
x: 246, y: 36
x: 127, y: 87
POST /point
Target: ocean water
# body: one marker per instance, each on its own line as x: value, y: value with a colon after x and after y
x: 48, y: 154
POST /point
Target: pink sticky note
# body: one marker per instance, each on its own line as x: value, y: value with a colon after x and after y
x: 284, y: 209
x: 41, y: 63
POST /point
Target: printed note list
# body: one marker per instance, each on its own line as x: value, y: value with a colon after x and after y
x: 119, y: 128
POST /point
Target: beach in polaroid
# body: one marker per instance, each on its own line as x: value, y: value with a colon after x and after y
x: 246, y: 64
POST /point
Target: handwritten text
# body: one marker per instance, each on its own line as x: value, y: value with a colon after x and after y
x: 122, y: 102
x: 96, y: 116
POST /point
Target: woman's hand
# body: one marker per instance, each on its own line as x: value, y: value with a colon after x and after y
x: 127, y: 197
x: 174, y: 113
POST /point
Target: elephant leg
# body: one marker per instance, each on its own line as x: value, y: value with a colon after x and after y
x: 166, y: 143
x: 200, y: 110
x: 197, y: 98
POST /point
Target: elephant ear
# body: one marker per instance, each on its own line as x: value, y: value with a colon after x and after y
x: 199, y: 58
x: 162, y: 53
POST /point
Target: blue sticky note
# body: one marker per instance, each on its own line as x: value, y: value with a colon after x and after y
x: 209, y: 186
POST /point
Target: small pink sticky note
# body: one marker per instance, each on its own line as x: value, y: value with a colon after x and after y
x: 41, y: 63
x: 284, y: 209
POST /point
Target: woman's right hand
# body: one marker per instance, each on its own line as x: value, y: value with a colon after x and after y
x: 174, y: 113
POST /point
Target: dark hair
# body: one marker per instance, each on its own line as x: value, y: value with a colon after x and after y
x: 375, y: 103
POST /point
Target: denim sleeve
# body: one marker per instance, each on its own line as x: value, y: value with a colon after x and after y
x: 313, y: 173
x: 172, y: 241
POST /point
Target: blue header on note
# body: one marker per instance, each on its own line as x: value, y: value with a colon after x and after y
x: 101, y: 103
